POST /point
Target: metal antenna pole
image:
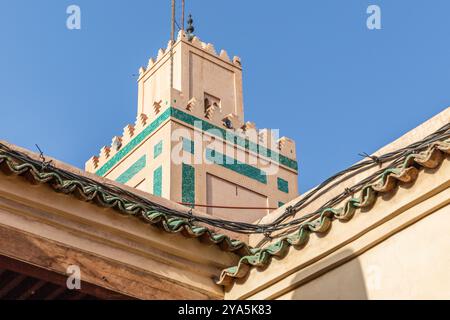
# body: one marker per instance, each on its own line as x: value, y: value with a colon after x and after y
x: 172, y: 33
x: 172, y: 39
x: 182, y: 14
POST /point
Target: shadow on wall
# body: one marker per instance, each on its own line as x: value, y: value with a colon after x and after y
x: 345, y: 282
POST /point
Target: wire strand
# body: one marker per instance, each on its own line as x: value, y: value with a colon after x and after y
x: 392, y: 159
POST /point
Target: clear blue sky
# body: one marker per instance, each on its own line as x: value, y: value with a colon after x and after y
x: 311, y: 68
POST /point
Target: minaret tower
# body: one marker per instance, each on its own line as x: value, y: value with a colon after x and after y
x: 190, y: 143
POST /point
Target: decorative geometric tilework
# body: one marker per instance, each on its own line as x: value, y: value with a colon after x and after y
x: 157, y: 149
x: 157, y: 182
x: 188, y: 184
x: 236, y: 166
x: 188, y: 145
x: 133, y: 143
x: 132, y: 171
x: 283, y: 185
x: 233, y: 138
x: 194, y: 121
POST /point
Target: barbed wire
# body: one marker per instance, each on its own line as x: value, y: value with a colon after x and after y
x: 279, y: 224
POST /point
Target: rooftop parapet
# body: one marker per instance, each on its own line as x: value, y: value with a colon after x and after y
x: 196, y: 42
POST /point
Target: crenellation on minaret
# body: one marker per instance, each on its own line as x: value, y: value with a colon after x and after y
x: 234, y: 121
x: 224, y: 56
x: 151, y: 62
x: 249, y: 125
x: 266, y: 137
x: 109, y: 151
x: 237, y: 61
x: 191, y: 87
x: 161, y: 53
x: 209, y: 48
x: 116, y: 144
x: 128, y: 133
x: 287, y: 147
x: 104, y: 154
x: 157, y: 105
x: 141, y: 122
x: 92, y: 164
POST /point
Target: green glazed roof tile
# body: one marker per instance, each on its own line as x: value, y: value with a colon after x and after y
x: 387, y: 181
x: 91, y: 191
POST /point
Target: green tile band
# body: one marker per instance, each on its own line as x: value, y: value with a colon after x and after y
x: 194, y: 121
x: 236, y: 166
x: 157, y: 149
x: 283, y: 185
x: 133, y: 143
x: 133, y: 170
x: 157, y: 182
x: 234, y: 138
x: 188, y: 184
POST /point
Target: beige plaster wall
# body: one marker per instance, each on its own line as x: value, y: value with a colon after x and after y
x: 390, y: 243
x: 207, y: 76
x: 412, y: 264
x: 254, y: 190
x: 154, y: 84
x: 220, y: 191
x: 197, y: 69
x: 387, y: 248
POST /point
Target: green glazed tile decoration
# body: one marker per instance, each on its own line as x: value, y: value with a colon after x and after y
x: 133, y: 170
x: 157, y: 182
x: 196, y: 122
x: 157, y: 149
x: 283, y: 185
x: 236, y: 166
x: 188, y: 184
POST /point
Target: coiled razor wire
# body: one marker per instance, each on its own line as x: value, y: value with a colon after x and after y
x: 279, y: 224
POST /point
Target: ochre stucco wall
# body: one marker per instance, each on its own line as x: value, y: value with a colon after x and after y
x: 412, y: 264
x: 395, y: 249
